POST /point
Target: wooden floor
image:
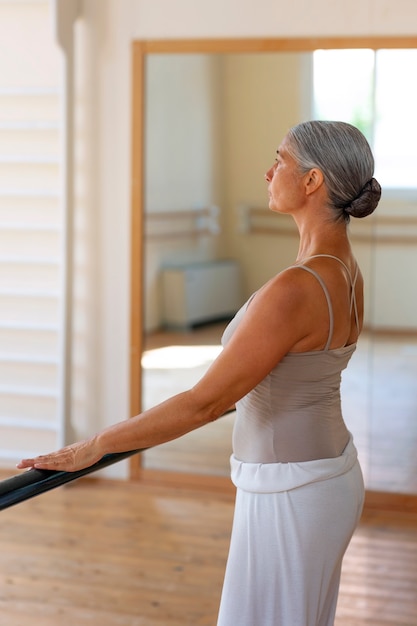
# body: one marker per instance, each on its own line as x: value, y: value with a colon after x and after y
x: 124, y: 554
x: 153, y: 553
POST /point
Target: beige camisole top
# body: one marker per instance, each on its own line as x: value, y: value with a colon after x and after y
x: 294, y: 414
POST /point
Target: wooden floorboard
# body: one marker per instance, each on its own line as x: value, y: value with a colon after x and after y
x: 141, y: 554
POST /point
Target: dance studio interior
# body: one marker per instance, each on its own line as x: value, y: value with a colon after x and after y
x: 134, y: 223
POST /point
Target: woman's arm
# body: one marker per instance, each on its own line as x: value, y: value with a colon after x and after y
x: 272, y: 324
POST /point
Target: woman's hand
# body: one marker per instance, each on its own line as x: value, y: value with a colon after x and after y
x: 72, y: 458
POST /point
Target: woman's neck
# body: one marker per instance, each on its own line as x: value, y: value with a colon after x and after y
x: 323, y: 238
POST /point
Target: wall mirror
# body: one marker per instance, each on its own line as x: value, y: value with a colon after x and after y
x: 207, y: 118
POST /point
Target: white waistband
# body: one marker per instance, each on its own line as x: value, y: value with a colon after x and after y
x: 276, y: 477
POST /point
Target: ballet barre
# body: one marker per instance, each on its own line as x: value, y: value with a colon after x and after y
x: 33, y: 482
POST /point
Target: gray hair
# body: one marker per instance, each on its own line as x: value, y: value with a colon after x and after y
x: 344, y: 156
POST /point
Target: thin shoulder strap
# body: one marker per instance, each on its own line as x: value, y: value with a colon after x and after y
x: 353, y: 303
x: 329, y: 302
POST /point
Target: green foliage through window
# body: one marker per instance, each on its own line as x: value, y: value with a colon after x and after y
x: 376, y: 91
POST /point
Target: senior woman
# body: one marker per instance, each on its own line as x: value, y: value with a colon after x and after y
x: 299, y: 484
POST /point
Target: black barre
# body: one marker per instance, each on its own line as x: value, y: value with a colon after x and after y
x: 36, y: 481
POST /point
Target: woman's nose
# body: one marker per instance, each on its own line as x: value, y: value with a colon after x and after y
x: 268, y: 175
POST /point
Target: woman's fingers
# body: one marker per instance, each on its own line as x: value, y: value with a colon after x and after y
x: 49, y: 462
x: 69, y: 459
x: 24, y: 463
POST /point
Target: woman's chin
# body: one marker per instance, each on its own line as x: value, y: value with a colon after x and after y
x: 273, y: 207
x: 276, y: 207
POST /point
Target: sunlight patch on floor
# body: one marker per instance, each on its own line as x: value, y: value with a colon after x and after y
x: 179, y: 357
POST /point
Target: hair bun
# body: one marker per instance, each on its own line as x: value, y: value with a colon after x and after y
x: 366, y: 201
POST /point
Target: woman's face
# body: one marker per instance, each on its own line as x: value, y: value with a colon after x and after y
x: 284, y: 180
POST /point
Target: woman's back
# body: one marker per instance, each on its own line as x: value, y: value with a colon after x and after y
x: 294, y: 414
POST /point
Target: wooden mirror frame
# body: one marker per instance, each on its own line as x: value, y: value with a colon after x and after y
x: 140, y: 49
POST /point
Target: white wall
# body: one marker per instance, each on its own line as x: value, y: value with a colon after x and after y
x: 213, y: 123
x: 109, y: 26
x: 268, y: 18
x: 31, y: 227
x: 264, y: 96
x: 180, y: 118
x: 182, y: 170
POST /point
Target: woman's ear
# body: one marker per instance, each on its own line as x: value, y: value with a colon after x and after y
x: 314, y: 180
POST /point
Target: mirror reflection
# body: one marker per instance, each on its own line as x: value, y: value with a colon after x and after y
x: 213, y: 123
